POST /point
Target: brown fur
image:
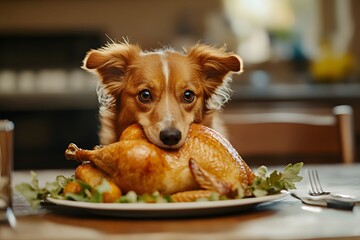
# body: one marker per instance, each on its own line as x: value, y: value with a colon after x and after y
x: 125, y: 70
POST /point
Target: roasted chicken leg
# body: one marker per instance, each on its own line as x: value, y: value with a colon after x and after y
x: 205, y: 161
x: 93, y: 176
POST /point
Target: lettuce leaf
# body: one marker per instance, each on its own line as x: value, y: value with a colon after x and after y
x: 34, y: 194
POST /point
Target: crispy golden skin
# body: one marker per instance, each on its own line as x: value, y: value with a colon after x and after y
x: 205, y: 161
x: 190, y: 196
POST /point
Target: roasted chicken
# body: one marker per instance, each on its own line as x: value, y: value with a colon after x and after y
x: 206, y: 161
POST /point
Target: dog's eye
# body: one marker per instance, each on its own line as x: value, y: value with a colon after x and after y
x: 145, y: 96
x: 189, y: 96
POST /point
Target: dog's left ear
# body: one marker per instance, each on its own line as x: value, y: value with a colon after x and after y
x: 215, y: 63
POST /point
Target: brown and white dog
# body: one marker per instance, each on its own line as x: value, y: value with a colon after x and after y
x: 164, y: 91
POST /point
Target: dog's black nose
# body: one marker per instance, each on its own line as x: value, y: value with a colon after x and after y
x: 170, y: 136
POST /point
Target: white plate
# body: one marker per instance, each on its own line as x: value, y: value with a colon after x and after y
x: 169, y: 209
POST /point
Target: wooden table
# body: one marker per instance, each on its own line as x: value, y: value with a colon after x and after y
x: 287, y: 219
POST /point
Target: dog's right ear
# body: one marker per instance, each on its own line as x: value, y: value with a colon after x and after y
x: 111, y: 62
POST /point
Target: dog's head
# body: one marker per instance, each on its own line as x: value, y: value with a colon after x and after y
x: 164, y: 91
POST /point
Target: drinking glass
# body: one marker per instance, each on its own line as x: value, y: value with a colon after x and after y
x: 6, y: 166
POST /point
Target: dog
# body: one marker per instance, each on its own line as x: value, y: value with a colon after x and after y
x: 164, y: 91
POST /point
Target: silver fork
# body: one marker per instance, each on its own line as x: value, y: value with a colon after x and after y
x: 316, y: 189
x: 338, y: 201
x: 315, y: 185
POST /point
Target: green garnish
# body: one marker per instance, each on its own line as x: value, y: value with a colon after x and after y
x: 34, y: 194
x: 263, y: 184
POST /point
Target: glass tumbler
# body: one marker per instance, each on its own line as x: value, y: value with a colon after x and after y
x: 6, y: 163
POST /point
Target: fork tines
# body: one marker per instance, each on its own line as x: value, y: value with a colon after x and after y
x: 315, y: 185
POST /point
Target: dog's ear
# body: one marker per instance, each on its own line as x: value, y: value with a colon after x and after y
x: 214, y: 65
x: 111, y: 62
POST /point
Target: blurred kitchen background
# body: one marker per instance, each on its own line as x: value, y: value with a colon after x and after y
x: 297, y: 54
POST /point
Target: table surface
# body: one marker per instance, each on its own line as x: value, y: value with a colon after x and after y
x: 286, y: 219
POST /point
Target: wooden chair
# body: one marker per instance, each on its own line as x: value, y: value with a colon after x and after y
x: 284, y: 137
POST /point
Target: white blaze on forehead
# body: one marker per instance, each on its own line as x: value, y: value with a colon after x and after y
x: 166, y: 70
